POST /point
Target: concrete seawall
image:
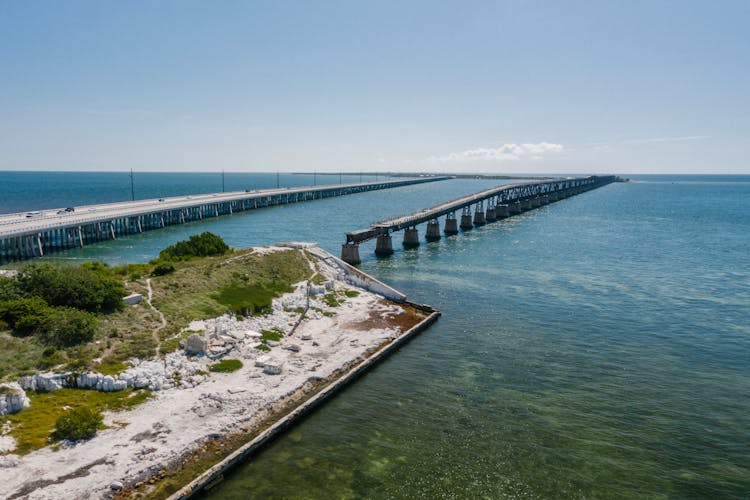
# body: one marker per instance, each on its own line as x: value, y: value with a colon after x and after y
x: 215, y: 474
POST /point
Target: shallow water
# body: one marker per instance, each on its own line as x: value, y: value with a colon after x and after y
x: 595, y: 347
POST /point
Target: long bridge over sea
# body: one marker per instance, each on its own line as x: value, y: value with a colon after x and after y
x: 33, y: 234
x: 476, y: 210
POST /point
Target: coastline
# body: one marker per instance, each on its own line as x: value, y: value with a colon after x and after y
x: 156, y: 447
x: 336, y: 383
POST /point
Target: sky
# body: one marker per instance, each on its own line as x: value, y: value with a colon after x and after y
x: 489, y: 87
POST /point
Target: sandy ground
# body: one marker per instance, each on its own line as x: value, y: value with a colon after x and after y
x: 140, y: 442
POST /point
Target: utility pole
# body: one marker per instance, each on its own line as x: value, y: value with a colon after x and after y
x: 315, y: 178
x: 132, y: 186
x: 277, y: 180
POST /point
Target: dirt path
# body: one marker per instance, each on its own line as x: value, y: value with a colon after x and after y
x: 163, y: 320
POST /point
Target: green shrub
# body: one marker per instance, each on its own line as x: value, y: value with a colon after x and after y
x: 65, y: 327
x: 9, y: 289
x: 263, y: 347
x: 201, y: 245
x: 226, y: 366
x: 24, y: 315
x: 77, y: 424
x: 162, y: 268
x: 91, y: 286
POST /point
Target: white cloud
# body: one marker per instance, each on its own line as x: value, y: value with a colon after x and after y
x: 505, y: 152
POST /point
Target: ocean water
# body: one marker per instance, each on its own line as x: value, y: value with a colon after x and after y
x: 596, y: 347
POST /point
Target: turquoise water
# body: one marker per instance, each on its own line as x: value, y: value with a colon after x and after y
x: 597, y: 347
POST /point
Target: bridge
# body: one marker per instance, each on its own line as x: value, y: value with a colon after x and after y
x: 32, y: 234
x: 500, y: 202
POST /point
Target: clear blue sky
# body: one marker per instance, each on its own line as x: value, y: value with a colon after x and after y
x: 505, y: 86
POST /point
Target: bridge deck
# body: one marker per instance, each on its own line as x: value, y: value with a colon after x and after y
x: 21, y: 224
x: 499, y: 194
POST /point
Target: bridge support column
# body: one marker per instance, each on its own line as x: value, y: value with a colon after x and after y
x: 502, y: 211
x: 433, y: 230
x: 526, y: 205
x: 384, y: 245
x: 411, y: 237
x: 451, y: 225
x: 466, y: 222
x: 491, y: 214
x: 350, y: 253
x: 479, y: 218
x: 515, y: 208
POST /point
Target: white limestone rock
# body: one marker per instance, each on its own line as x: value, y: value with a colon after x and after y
x: 196, y: 344
x: 133, y: 299
x: 45, y: 382
x: 273, y: 367
x: 9, y: 461
x: 262, y: 360
x: 12, y: 398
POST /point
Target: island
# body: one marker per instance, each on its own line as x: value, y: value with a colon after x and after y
x: 156, y: 378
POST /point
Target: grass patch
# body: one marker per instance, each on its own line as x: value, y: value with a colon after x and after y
x: 253, y: 299
x: 351, y: 293
x: 110, y: 366
x: 18, y: 355
x: 32, y: 428
x: 274, y: 334
x: 330, y: 300
x: 212, y: 286
x: 263, y: 347
x: 226, y: 366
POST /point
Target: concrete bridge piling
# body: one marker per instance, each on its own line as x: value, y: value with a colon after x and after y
x: 451, y: 224
x: 384, y: 245
x: 411, y: 237
x: 479, y: 215
x: 501, y: 202
x: 433, y: 230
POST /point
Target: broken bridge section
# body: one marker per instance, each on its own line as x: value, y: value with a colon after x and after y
x: 474, y: 210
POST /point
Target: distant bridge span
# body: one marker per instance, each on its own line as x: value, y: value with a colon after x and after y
x: 501, y: 201
x: 32, y: 234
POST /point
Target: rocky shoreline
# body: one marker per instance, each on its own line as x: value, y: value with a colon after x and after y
x: 192, y: 406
